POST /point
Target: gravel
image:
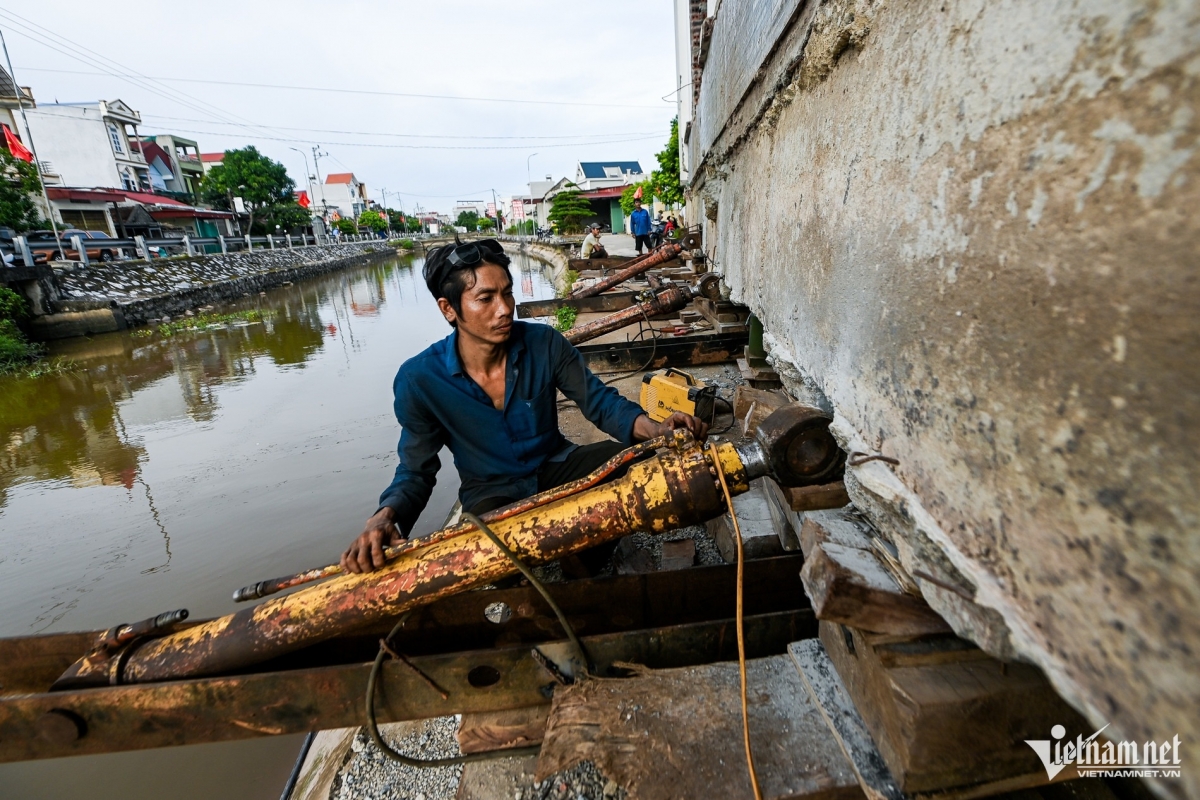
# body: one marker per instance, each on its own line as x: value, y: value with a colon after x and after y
x: 370, y: 775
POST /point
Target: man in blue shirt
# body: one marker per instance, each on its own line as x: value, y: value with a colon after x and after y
x: 640, y: 227
x: 488, y: 392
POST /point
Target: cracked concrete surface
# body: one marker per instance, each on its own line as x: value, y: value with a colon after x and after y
x: 972, y: 239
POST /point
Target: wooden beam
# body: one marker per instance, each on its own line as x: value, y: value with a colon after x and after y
x: 601, y: 303
x: 943, y: 714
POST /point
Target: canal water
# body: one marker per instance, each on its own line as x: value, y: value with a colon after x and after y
x: 166, y: 472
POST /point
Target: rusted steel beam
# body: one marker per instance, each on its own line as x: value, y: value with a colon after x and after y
x: 116, y: 718
x: 613, y: 301
x: 673, y: 489
x: 682, y: 352
x: 663, y: 301
x: 632, y: 269
x: 29, y: 665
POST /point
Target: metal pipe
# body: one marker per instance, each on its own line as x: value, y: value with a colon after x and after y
x: 674, y: 489
x: 672, y: 298
x: 634, y: 268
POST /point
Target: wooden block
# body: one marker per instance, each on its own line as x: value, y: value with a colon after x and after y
x: 679, y: 554
x: 759, y: 539
x: 830, y: 697
x: 946, y: 716
x: 669, y: 734
x: 745, y: 396
x: 837, y: 527
x: 787, y: 522
x: 816, y: 498
x: 501, y: 730
x: 851, y: 586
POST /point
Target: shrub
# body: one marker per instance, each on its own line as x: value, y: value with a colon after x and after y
x: 564, y: 318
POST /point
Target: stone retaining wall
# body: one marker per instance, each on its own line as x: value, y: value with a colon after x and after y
x: 139, y: 291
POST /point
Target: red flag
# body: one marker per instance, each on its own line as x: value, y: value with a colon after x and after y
x: 302, y: 200
x: 637, y: 195
x: 14, y: 145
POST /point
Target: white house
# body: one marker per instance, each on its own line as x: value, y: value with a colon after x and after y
x: 591, y: 175
x: 90, y: 144
x: 341, y: 192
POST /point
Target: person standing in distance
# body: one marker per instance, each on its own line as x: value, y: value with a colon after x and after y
x: 640, y: 226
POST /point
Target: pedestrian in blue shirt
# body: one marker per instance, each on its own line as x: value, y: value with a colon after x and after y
x: 488, y: 392
x: 640, y: 227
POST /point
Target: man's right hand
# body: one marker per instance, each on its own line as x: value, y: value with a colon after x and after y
x: 365, y: 553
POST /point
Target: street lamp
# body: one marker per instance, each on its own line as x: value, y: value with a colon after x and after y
x: 528, y: 180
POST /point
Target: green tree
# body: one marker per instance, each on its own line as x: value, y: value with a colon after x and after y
x: 18, y: 185
x: 486, y: 223
x: 647, y: 188
x: 372, y: 220
x: 346, y: 226
x: 468, y: 220
x: 287, y: 216
x: 569, y: 209
x: 666, y: 178
x: 261, y: 182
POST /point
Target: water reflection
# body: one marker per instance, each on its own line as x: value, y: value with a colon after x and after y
x: 66, y: 436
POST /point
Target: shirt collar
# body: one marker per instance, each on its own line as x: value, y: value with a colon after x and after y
x: 516, y: 346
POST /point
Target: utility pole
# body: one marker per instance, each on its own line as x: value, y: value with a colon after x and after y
x: 312, y: 197
x: 385, y: 212
x: 317, y: 155
x: 33, y: 148
x: 496, y: 206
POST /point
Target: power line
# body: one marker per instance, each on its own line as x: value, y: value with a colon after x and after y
x: 408, y: 135
x: 377, y: 93
x: 53, y: 41
x: 418, y: 146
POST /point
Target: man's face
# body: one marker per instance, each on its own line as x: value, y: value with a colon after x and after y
x: 487, y: 307
x: 637, y: 205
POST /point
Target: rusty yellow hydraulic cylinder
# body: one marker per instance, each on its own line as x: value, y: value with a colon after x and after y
x: 675, y: 488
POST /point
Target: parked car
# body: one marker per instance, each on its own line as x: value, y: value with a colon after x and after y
x: 8, y: 251
x: 98, y: 251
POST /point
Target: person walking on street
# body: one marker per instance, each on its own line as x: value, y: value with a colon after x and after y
x: 640, y: 226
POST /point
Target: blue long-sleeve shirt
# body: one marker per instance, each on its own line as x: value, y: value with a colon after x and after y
x: 497, y: 452
x: 639, y: 222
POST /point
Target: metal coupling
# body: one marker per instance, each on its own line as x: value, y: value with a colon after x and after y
x: 251, y: 592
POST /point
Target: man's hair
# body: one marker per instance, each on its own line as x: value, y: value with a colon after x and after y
x: 449, y: 281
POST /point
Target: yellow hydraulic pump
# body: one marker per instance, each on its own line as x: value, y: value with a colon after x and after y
x: 669, y: 390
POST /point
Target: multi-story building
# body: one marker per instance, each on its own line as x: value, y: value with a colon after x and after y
x: 90, y: 144
x: 187, y: 168
x: 341, y: 192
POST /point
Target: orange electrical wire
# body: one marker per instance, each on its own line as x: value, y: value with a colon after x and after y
x: 741, y: 638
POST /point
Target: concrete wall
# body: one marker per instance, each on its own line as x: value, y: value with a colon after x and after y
x: 75, y: 141
x: 969, y: 227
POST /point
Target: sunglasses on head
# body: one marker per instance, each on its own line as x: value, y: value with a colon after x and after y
x: 471, y: 253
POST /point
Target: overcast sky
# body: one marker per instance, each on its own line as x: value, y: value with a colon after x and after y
x: 601, y: 71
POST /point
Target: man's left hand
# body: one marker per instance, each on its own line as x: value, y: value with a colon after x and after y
x: 646, y: 428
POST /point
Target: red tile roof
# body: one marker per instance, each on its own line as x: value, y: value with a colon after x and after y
x: 339, y: 177
x: 211, y: 157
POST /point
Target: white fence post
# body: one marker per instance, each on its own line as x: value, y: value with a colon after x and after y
x: 21, y: 245
x: 77, y: 244
x: 187, y: 246
x: 249, y: 244
x: 270, y: 241
x: 224, y: 248
x: 289, y: 240
x: 140, y: 243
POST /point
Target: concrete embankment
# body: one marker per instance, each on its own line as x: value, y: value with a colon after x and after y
x: 555, y: 256
x: 111, y: 296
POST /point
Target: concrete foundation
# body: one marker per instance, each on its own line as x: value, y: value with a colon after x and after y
x: 968, y: 227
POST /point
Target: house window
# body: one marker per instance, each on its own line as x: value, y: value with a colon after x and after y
x: 85, y: 220
x: 116, y: 137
